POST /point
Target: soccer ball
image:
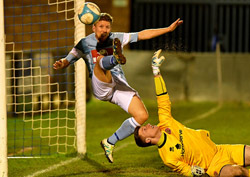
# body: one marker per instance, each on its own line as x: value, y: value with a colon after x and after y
x: 89, y: 13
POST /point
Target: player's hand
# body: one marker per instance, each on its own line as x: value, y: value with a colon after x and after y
x: 156, y: 61
x: 60, y: 64
x: 197, y: 171
x: 175, y: 24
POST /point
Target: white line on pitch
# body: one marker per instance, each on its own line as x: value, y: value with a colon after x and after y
x: 24, y: 157
x: 204, y: 115
x: 72, y: 160
x: 53, y: 167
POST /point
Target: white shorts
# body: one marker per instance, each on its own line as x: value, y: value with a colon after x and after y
x: 117, y: 92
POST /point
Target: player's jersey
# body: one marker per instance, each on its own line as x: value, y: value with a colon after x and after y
x: 89, y: 49
x: 181, y: 147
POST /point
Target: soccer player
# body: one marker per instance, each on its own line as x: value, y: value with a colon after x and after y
x: 102, y: 53
x: 187, y: 151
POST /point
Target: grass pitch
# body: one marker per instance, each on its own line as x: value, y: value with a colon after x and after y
x: 230, y: 125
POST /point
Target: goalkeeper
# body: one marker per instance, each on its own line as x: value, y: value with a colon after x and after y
x: 187, y: 151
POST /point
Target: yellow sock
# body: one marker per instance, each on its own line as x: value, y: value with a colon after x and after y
x: 160, y: 86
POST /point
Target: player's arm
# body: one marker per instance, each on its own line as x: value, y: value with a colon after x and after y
x: 60, y: 64
x: 75, y: 54
x: 164, y: 104
x: 69, y: 59
x: 181, y: 167
x: 152, y: 33
x: 187, y: 170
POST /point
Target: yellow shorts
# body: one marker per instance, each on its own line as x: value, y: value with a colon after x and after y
x: 226, y: 155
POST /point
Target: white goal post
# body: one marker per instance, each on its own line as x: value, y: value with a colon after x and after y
x: 80, y: 87
x: 64, y: 119
x: 3, y: 113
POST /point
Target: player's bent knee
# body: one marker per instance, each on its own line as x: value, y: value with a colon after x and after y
x: 233, y: 170
x: 237, y: 171
x: 240, y: 171
x: 145, y: 117
x: 141, y: 117
x: 247, y: 155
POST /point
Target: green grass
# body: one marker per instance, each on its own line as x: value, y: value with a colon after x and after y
x: 229, y: 125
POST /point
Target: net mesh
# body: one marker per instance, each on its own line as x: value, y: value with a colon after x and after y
x: 40, y: 100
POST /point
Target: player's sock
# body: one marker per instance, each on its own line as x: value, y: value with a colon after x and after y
x: 126, y: 129
x: 108, y: 62
x: 160, y: 86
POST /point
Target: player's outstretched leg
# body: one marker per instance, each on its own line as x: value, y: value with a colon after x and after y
x: 117, y: 52
x: 108, y: 149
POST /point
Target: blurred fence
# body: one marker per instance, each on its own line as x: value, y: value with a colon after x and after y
x: 205, y: 23
x: 191, y: 76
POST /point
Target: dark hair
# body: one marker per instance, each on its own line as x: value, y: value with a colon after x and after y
x: 138, y: 139
x: 106, y: 17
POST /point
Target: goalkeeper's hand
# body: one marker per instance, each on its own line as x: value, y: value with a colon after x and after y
x: 198, y: 171
x: 156, y: 62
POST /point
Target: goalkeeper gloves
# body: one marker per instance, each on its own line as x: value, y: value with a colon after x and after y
x: 156, y: 62
x: 197, y: 171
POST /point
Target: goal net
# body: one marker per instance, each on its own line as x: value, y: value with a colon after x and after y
x: 41, y: 102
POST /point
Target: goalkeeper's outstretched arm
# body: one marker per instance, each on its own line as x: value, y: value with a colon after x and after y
x: 160, y: 86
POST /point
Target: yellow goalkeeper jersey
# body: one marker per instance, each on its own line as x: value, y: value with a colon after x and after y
x: 181, y: 147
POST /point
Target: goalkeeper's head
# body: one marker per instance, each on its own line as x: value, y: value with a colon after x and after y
x: 147, y: 135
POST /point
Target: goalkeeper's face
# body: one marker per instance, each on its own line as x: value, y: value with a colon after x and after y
x: 102, y: 30
x: 150, y: 133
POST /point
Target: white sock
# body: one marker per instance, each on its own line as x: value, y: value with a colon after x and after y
x: 126, y: 129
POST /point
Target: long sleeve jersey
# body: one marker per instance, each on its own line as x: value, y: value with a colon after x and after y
x: 89, y: 49
x: 181, y: 147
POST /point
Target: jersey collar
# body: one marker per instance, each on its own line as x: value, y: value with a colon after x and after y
x: 162, y: 141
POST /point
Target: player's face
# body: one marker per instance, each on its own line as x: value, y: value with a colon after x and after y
x: 102, y: 30
x: 149, y: 131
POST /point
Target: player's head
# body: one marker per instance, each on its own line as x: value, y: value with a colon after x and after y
x: 147, y: 135
x: 102, y: 27
x: 106, y: 17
